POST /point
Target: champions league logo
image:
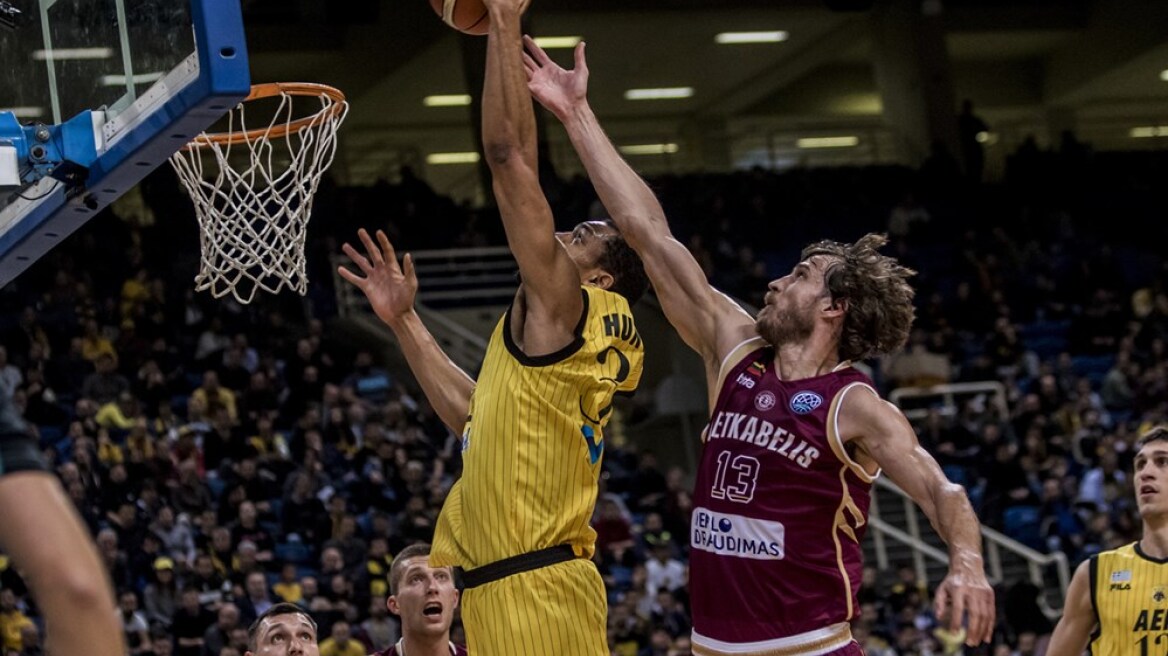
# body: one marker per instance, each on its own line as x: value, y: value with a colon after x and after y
x: 805, y: 402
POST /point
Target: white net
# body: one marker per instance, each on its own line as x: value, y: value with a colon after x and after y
x: 253, y: 191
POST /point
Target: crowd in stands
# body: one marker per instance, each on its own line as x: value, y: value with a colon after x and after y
x: 229, y: 457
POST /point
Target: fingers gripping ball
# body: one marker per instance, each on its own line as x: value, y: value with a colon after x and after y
x: 469, y: 16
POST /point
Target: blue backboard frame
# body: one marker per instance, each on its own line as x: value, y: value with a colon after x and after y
x: 188, y: 100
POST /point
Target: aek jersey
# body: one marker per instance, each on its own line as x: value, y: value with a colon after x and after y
x: 1129, y: 591
x: 532, y: 445
x: 780, y: 508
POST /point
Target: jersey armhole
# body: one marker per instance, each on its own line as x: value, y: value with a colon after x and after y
x: 837, y: 442
x: 732, y: 359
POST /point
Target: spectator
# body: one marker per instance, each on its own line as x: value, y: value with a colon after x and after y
x: 161, y: 594
x: 218, y: 635
x: 134, y: 624
x: 341, y: 643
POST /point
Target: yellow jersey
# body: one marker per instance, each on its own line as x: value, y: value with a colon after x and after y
x: 1129, y: 591
x: 532, y: 444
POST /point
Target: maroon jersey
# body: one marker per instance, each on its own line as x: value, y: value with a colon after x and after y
x: 455, y: 650
x: 780, y: 508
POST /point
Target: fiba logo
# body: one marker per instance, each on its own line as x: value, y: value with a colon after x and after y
x: 764, y: 401
x: 805, y: 402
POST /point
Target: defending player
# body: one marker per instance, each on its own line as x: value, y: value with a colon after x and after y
x: 1118, y: 599
x: 796, y: 435
x: 518, y: 519
x: 42, y: 533
x: 424, y: 598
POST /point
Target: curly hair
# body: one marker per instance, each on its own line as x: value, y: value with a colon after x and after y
x: 880, y: 300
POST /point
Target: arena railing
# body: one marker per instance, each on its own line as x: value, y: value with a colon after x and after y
x: 998, y: 549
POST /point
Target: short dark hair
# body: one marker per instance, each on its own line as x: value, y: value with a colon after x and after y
x: 880, y: 300
x: 282, y: 608
x: 1155, y: 434
x: 397, y: 569
x: 624, y: 265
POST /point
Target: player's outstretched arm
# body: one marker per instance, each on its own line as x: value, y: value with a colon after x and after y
x: 881, y: 431
x: 1073, y: 631
x: 709, y: 321
x: 391, y: 289
x: 47, y: 541
x: 551, y: 281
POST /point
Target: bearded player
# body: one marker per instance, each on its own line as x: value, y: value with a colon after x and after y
x: 796, y: 434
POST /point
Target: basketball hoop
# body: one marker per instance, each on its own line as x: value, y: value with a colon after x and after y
x: 254, y: 202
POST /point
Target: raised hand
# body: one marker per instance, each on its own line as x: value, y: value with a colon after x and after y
x: 390, y: 288
x: 557, y: 89
x: 962, y: 596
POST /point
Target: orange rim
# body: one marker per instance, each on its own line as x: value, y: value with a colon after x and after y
x: 271, y: 89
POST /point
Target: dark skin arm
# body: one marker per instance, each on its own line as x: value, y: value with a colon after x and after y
x: 549, y: 303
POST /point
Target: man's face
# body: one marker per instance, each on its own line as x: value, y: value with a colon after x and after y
x: 425, y: 599
x: 1151, y: 480
x: 793, y: 302
x: 585, y: 244
x: 286, y: 635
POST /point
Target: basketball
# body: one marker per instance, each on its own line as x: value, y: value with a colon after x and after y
x: 468, y: 16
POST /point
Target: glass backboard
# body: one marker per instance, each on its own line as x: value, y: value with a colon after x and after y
x: 139, y: 78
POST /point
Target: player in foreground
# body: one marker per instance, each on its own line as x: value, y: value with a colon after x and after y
x: 1118, y: 599
x: 796, y: 435
x: 424, y: 598
x: 51, y: 548
x: 517, y: 522
x: 283, y: 630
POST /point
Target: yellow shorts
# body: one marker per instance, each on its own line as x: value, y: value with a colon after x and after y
x: 558, y: 610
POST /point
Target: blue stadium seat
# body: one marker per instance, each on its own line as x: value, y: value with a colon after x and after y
x: 1022, y: 524
x: 292, y: 552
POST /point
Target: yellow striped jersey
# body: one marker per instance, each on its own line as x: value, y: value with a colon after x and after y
x: 1129, y: 591
x: 533, y: 442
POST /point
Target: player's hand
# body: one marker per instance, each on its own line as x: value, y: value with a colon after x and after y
x: 390, y: 288
x: 518, y: 6
x: 967, y: 596
x: 557, y: 89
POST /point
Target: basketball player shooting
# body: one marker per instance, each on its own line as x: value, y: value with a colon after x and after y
x: 517, y: 522
x: 796, y: 434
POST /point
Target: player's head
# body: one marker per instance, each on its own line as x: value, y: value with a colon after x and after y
x: 605, y: 259
x: 851, y: 288
x: 283, y: 630
x: 1151, y: 473
x: 423, y: 597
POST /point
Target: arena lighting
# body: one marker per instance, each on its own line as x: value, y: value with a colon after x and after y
x: 120, y: 80
x: 828, y: 142
x: 25, y: 112
x: 1147, y: 132
x: 669, y: 93
x: 552, y: 42
x: 452, y: 158
x: 650, y: 149
x: 60, y: 54
x: 452, y: 100
x: 1164, y: 75
x: 728, y: 38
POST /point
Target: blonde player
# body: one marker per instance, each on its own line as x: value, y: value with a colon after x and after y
x: 1118, y: 599
x: 517, y: 522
